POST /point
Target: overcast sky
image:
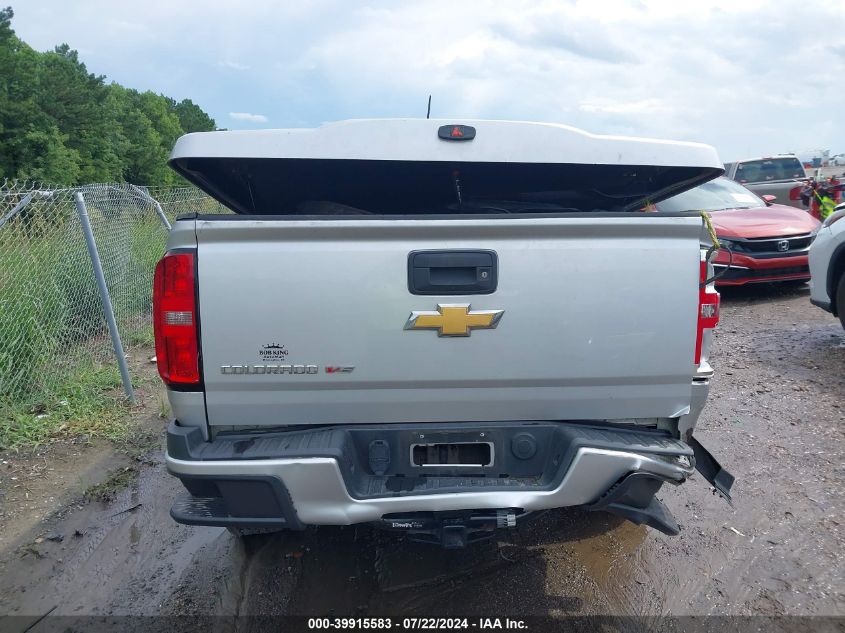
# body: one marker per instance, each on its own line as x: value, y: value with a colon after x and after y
x: 748, y: 76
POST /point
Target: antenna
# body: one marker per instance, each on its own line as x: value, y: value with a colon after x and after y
x: 428, y: 112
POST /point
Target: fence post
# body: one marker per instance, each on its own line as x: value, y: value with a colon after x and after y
x: 20, y: 206
x: 159, y: 210
x: 104, y: 295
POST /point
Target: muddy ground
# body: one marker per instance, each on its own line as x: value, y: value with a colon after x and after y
x: 774, y: 419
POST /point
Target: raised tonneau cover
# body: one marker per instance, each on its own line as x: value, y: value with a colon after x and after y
x: 405, y: 166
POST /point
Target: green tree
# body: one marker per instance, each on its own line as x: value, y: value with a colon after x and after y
x: 144, y: 153
x: 19, y: 112
x: 45, y: 158
x: 73, y: 99
x: 192, y: 118
x: 62, y: 124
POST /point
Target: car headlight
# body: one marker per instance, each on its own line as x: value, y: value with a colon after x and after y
x: 728, y: 244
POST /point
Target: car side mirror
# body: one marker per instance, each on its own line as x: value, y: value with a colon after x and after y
x: 769, y: 199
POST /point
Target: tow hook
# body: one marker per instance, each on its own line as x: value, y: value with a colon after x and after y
x: 712, y: 470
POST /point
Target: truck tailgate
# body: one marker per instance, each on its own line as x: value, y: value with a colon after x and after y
x: 599, y: 320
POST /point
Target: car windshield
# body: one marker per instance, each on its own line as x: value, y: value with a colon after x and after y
x: 769, y: 169
x: 715, y: 195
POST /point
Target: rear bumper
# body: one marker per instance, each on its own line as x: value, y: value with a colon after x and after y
x: 322, y: 478
x: 319, y: 496
x: 745, y: 269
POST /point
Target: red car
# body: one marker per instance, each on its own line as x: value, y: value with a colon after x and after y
x: 769, y: 241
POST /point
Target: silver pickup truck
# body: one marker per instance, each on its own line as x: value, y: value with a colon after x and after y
x: 437, y: 327
x: 781, y: 177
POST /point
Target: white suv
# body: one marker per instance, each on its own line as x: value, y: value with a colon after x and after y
x: 827, y: 265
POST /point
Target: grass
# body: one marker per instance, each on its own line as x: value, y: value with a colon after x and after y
x: 163, y: 407
x: 58, y: 376
x: 89, y: 401
x: 142, y: 337
x: 42, y: 303
x: 49, y: 303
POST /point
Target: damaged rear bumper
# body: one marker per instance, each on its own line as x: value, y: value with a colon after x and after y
x: 328, y: 477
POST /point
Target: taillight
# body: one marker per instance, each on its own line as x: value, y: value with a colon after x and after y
x: 795, y: 193
x: 708, y: 310
x: 175, y: 319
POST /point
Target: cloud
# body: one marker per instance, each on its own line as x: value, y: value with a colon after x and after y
x: 248, y: 116
x: 565, y: 31
x: 715, y: 71
x: 232, y: 65
x: 127, y: 25
x: 643, y: 106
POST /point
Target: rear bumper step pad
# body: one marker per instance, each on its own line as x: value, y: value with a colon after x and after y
x: 375, y: 460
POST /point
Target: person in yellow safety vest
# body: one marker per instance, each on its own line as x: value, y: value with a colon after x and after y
x: 822, y: 197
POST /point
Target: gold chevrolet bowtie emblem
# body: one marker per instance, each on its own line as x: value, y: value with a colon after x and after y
x: 454, y: 319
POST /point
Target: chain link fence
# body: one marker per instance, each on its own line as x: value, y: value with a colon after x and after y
x: 51, y: 312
